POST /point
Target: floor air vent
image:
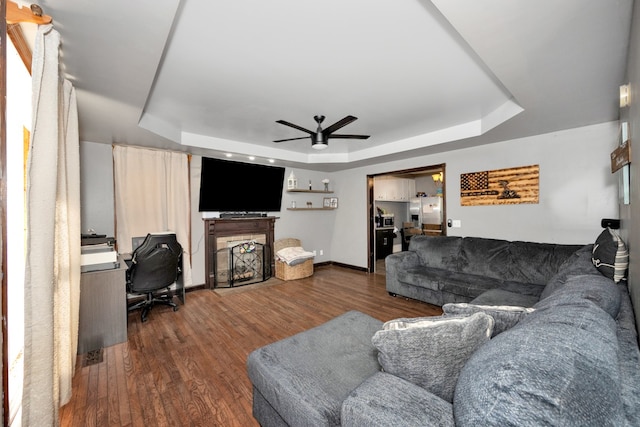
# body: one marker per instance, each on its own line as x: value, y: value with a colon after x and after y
x: 93, y: 357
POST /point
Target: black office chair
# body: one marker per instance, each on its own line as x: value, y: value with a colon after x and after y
x: 155, y: 265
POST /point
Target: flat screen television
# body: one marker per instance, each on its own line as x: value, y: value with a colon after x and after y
x: 227, y: 186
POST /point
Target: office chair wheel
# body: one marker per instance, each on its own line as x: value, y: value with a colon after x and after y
x: 175, y: 308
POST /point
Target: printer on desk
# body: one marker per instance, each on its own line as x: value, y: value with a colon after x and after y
x: 98, y: 253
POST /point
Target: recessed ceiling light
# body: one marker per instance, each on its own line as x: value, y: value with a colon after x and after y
x: 229, y: 155
x: 252, y: 158
x: 271, y: 160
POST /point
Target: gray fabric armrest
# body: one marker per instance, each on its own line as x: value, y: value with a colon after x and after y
x: 394, y: 263
x: 405, y: 259
x: 386, y: 400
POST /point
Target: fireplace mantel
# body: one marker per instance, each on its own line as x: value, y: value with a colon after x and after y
x: 215, y: 228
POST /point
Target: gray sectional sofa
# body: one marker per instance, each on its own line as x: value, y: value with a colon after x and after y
x: 445, y: 269
x: 570, y: 358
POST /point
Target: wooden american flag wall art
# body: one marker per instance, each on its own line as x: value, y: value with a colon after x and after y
x: 501, y: 186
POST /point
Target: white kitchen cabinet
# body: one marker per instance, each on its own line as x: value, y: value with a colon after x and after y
x: 391, y: 189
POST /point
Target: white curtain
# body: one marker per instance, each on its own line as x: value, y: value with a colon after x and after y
x: 152, y: 195
x: 52, y: 276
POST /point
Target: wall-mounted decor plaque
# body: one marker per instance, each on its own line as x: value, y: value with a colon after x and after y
x: 500, y: 186
x: 621, y: 156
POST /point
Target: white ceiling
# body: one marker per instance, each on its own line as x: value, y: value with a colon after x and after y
x: 212, y: 77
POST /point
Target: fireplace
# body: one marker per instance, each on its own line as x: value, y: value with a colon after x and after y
x: 247, y: 263
x: 239, y: 251
x: 241, y: 260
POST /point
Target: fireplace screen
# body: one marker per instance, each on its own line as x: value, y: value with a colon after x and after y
x: 248, y: 262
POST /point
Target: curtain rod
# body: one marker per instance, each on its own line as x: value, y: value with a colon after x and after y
x: 17, y: 14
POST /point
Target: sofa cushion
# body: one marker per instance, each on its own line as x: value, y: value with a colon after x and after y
x: 597, y: 289
x: 485, y: 257
x: 306, y: 377
x: 430, y: 351
x: 610, y: 255
x: 421, y: 276
x: 504, y: 297
x: 387, y: 400
x: 558, y: 366
x: 437, y: 251
x: 578, y: 263
x: 505, y: 316
x: 537, y: 262
x: 438, y: 279
x: 521, y: 262
x: 472, y: 286
x: 467, y: 285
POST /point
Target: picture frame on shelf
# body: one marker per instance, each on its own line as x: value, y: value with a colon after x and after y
x: 326, y: 202
x: 333, y: 202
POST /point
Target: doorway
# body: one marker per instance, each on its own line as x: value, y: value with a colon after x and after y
x: 415, y: 199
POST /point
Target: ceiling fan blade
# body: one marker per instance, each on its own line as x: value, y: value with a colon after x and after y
x: 291, y: 139
x: 282, y: 122
x: 339, y: 124
x: 349, y: 136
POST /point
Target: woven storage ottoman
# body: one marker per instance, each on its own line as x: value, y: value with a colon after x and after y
x: 285, y: 271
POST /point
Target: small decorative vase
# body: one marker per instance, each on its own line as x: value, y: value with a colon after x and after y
x: 326, y: 186
x: 292, y: 181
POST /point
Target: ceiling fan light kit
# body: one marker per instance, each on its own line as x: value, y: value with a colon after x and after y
x: 320, y: 138
x: 319, y: 141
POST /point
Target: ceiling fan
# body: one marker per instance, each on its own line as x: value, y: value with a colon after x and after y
x: 320, y: 138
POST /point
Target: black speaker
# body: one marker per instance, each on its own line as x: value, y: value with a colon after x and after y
x: 610, y: 223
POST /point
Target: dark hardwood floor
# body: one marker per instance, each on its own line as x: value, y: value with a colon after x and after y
x: 187, y: 368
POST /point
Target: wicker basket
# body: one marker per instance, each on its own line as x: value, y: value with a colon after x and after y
x: 285, y: 271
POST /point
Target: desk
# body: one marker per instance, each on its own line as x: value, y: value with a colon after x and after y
x: 103, y: 308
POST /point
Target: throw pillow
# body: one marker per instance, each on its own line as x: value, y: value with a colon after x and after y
x: 610, y: 255
x: 431, y: 351
x: 505, y: 316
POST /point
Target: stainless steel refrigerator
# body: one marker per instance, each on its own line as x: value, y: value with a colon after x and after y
x: 426, y: 210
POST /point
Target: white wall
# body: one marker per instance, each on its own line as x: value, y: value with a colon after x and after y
x: 96, y: 188
x: 630, y: 217
x: 576, y: 191
x: 197, y: 225
x: 313, y: 228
